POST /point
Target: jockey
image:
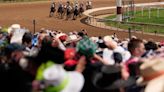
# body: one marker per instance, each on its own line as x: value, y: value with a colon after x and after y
x: 76, y: 5
x: 76, y: 11
x: 68, y: 11
x: 69, y: 8
x: 90, y: 3
x: 52, y: 9
x: 60, y: 7
x: 68, y: 2
x: 81, y: 9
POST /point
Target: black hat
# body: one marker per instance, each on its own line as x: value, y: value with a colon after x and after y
x: 110, y: 78
x: 81, y: 34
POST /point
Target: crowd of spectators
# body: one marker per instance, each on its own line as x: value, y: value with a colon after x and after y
x: 54, y: 61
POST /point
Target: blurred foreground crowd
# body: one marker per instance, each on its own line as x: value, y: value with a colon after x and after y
x: 53, y: 61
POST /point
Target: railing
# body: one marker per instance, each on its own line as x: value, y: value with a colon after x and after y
x: 153, y: 29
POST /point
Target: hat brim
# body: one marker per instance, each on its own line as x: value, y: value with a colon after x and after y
x: 140, y: 81
x: 120, y: 83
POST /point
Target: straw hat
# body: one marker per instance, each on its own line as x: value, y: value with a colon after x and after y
x: 152, y: 72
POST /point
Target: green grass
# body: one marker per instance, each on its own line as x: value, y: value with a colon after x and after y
x: 153, y: 18
x: 144, y: 19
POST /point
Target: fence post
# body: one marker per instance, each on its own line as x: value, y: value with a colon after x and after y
x: 129, y: 32
x: 34, y: 23
x: 143, y: 29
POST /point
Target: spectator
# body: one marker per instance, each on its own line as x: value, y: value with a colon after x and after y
x: 110, y: 79
x: 112, y: 48
x: 12, y: 71
x: 152, y: 74
x: 137, y: 49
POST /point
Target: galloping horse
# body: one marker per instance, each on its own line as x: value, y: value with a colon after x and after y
x: 81, y: 10
x: 60, y: 11
x: 69, y: 11
x: 52, y: 9
x: 75, y: 12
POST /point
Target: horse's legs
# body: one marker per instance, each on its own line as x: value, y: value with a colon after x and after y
x: 58, y: 14
x: 50, y: 15
x: 61, y: 15
x: 74, y: 17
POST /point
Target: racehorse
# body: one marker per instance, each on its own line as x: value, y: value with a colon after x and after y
x: 52, y: 9
x: 69, y: 12
x: 75, y: 12
x: 81, y: 10
x: 60, y: 11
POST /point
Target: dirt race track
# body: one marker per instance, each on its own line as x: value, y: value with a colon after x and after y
x: 24, y: 13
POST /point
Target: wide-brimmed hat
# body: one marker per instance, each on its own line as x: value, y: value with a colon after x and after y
x: 151, y: 69
x: 13, y: 27
x: 152, y: 72
x: 110, y: 78
x: 58, y: 80
x: 109, y: 41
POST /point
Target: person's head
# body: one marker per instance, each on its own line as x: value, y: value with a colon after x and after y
x: 41, y: 37
x: 136, y: 47
x: 14, y: 51
x: 84, y: 31
x: 50, y: 51
x: 117, y: 57
x: 81, y: 34
x: 27, y: 39
x: 150, y: 45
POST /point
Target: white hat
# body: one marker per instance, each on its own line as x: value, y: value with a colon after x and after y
x: 56, y: 76
x: 13, y: 27
x: 109, y: 41
x: 152, y: 72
